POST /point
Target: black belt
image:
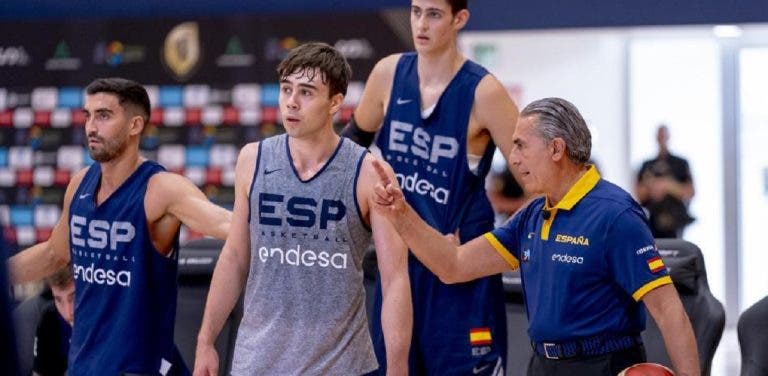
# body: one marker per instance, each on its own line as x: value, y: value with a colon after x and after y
x: 586, y: 347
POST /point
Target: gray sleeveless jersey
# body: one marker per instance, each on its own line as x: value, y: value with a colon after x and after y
x: 304, y: 299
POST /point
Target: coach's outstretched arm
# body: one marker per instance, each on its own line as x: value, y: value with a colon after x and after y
x: 231, y: 269
x: 451, y: 263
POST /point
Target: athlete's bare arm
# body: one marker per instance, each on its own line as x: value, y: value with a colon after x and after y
x: 231, y: 270
x: 43, y: 259
x: 392, y: 257
x: 170, y: 194
x: 450, y: 262
x: 494, y: 115
x: 369, y: 113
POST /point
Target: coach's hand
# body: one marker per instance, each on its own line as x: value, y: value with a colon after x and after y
x: 387, y: 197
x: 206, y: 360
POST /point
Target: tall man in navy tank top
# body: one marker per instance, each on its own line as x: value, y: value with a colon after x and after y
x: 586, y: 254
x: 301, y: 224
x: 119, y: 227
x: 438, y: 116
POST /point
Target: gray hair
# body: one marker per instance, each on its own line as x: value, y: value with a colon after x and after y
x: 559, y: 118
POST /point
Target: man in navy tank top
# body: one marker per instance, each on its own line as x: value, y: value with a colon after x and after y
x: 120, y: 229
x: 587, y: 259
x: 438, y: 116
x: 301, y: 224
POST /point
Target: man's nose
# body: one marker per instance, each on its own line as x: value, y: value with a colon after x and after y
x: 512, y: 159
x: 291, y: 101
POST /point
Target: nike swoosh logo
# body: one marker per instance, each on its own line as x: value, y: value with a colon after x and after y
x: 476, y: 370
x: 267, y: 172
x: 403, y: 101
x: 84, y: 195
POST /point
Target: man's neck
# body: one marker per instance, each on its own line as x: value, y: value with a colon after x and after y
x: 439, y: 66
x: 567, y: 178
x: 116, y: 171
x: 309, y: 154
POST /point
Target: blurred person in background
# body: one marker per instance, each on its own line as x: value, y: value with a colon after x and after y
x: 664, y: 188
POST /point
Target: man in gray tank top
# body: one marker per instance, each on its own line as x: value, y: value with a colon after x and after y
x: 301, y: 223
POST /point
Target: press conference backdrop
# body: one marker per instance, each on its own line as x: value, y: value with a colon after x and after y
x: 212, y: 84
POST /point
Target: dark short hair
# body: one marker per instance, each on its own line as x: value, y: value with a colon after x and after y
x: 335, y: 70
x: 129, y: 93
x: 62, y: 277
x: 457, y: 5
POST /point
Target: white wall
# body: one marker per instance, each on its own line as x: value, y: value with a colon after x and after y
x: 676, y: 80
x: 753, y: 173
x: 586, y: 68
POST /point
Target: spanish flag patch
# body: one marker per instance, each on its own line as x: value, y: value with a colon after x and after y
x: 480, y: 336
x: 656, y: 264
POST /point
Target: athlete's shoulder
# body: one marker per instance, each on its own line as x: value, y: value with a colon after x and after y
x: 249, y: 152
x: 354, y: 147
x: 490, y: 87
x: 473, y: 68
x: 390, y: 60
x: 385, y: 68
x: 366, y: 165
x: 369, y: 171
x: 78, y: 176
x: 75, y: 181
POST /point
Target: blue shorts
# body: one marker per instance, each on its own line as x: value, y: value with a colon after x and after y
x: 458, y: 329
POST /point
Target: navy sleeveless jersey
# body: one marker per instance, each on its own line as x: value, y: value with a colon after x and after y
x: 429, y: 157
x: 125, y: 291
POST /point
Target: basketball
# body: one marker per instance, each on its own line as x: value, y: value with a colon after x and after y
x: 647, y: 369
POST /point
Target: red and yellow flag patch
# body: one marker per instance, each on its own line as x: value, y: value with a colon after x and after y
x: 656, y: 264
x: 480, y: 336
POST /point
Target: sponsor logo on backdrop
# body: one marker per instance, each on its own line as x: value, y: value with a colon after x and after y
x: 234, y: 56
x: 277, y: 48
x: 14, y: 99
x: 62, y: 59
x: 116, y: 53
x: 14, y: 56
x: 182, y: 50
x: 358, y: 48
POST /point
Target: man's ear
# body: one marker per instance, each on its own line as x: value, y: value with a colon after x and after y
x: 558, y: 149
x: 460, y: 19
x: 336, y: 101
x: 137, y: 125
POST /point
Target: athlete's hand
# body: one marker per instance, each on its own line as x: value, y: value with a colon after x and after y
x: 206, y: 360
x: 387, y: 196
